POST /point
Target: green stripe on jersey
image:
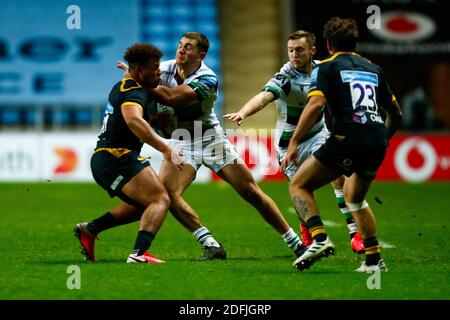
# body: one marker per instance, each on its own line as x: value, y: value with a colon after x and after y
x: 287, y: 135
x: 276, y: 92
x: 293, y: 111
x: 200, y: 90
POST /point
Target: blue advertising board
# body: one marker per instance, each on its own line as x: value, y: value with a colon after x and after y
x: 48, y: 56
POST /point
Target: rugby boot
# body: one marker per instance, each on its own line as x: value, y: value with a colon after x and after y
x: 211, y: 253
x: 87, y: 240
x: 381, y: 266
x: 143, y: 258
x: 306, y: 236
x: 300, y: 249
x: 315, y: 251
x: 357, y: 244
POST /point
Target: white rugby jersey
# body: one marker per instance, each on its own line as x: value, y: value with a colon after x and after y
x: 205, y: 83
x: 290, y: 88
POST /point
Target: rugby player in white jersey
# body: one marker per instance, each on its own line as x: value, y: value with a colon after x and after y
x: 289, y: 88
x: 190, y: 88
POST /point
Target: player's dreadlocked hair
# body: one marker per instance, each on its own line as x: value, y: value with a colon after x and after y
x: 140, y: 54
x: 202, y: 40
x: 341, y: 33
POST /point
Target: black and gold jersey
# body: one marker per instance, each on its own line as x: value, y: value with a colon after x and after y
x: 115, y: 133
x: 356, y: 91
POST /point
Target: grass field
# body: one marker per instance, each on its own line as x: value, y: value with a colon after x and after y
x: 37, y: 247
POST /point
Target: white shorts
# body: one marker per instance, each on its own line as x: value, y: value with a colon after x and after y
x: 304, y: 150
x: 213, y: 150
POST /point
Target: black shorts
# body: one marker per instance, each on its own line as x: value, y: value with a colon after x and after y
x: 112, y: 173
x: 361, y: 151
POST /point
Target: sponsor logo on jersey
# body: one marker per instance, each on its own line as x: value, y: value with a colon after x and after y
x: 351, y: 76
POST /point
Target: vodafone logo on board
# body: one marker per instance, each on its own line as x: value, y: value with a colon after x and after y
x: 404, y: 26
x: 415, y: 159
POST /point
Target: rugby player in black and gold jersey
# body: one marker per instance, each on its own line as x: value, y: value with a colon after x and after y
x: 116, y: 165
x: 362, y: 114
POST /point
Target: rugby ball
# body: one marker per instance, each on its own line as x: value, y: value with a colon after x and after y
x: 167, y: 130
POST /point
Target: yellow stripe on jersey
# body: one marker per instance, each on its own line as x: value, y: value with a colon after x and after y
x: 116, y: 152
x: 122, y: 85
x: 393, y: 98
x: 316, y: 93
x: 130, y: 103
x: 337, y: 54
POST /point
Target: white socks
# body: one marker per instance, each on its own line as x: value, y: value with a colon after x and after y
x: 291, y: 239
x: 205, y: 237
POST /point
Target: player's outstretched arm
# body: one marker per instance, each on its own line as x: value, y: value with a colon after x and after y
x: 133, y: 116
x: 254, y: 105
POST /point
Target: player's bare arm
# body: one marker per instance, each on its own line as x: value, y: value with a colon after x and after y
x: 254, y: 105
x: 176, y: 96
x: 305, y: 123
x: 133, y: 116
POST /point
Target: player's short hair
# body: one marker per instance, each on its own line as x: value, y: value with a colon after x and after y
x: 343, y: 34
x: 202, y: 40
x: 310, y: 37
x: 139, y: 54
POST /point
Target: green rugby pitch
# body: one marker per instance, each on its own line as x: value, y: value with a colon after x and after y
x: 37, y: 247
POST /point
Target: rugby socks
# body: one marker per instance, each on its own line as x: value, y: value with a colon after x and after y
x: 351, y: 225
x: 143, y: 242
x: 316, y: 228
x: 102, y: 223
x: 205, y: 237
x: 291, y: 239
x: 372, y: 248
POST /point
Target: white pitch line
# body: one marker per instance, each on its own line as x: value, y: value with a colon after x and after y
x: 332, y: 224
x: 386, y: 245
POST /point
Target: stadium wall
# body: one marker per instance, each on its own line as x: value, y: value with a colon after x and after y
x: 62, y: 156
